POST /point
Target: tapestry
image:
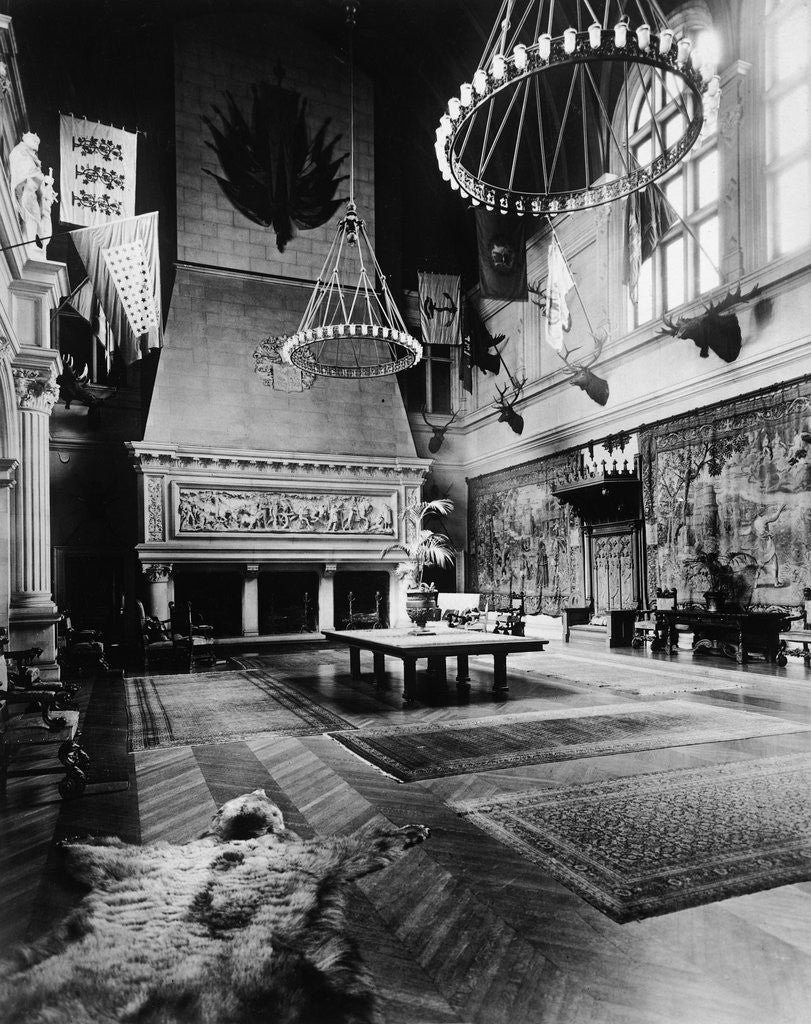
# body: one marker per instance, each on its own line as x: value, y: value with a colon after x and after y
x: 522, y: 539
x: 97, y: 175
x: 732, y: 482
x: 435, y: 750
x: 652, y: 844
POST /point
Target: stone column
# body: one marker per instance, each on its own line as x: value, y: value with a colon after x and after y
x: 250, y: 601
x: 326, y: 597
x: 161, y: 589
x: 8, y: 479
x: 33, y: 613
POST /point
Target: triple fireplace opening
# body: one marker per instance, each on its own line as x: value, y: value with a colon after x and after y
x: 288, y: 601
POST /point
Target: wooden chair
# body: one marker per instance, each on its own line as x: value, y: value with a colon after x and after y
x: 193, y: 643
x: 81, y: 651
x: 797, y: 640
x: 511, y: 621
x: 156, y: 639
x: 646, y: 629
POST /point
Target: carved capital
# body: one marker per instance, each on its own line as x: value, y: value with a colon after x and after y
x: 252, y: 569
x: 37, y: 390
x: 157, y: 572
x: 330, y: 568
x: 5, y: 347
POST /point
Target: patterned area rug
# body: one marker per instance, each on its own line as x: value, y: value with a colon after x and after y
x: 173, y: 711
x: 652, y: 844
x: 410, y: 753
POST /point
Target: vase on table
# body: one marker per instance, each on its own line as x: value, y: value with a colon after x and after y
x: 420, y: 605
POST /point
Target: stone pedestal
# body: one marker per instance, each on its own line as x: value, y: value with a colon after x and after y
x: 32, y: 613
x: 326, y: 597
x: 161, y: 589
x: 250, y: 601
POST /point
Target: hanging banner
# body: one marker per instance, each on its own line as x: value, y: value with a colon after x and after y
x: 97, y: 174
x: 502, y: 255
x: 440, y: 318
x: 649, y: 216
x: 121, y: 260
x: 558, y: 285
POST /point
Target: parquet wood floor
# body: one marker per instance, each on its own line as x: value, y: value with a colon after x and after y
x: 464, y: 930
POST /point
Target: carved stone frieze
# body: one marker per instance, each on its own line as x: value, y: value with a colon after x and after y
x: 154, y: 509
x: 36, y: 390
x: 253, y: 465
x: 157, y: 572
x: 218, y: 510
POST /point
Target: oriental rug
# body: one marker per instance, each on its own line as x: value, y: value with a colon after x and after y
x: 651, y: 844
x: 179, y: 710
x: 411, y: 753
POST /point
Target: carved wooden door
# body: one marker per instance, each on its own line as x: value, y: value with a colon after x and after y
x: 613, y: 572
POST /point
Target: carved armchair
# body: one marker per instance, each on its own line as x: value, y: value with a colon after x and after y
x: 511, y: 621
x: 646, y: 627
x: 193, y: 641
x: 796, y: 641
x: 156, y: 639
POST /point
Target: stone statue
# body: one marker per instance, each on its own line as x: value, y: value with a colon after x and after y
x: 33, y: 191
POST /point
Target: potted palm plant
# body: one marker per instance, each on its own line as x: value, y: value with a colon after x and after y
x: 423, y: 546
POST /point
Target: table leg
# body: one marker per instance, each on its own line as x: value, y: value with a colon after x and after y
x: 500, y: 675
x: 462, y: 675
x: 354, y: 662
x: 379, y: 660
x: 410, y: 680
x: 438, y: 669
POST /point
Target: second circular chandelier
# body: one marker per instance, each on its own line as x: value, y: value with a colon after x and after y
x: 544, y: 124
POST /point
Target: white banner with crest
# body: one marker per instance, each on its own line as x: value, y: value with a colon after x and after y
x: 97, y: 174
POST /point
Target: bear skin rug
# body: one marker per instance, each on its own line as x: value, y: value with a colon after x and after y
x: 244, y: 925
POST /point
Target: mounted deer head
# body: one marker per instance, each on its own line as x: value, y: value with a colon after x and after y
x: 507, y: 413
x: 439, y: 432
x: 582, y: 377
x: 539, y: 290
x: 711, y: 330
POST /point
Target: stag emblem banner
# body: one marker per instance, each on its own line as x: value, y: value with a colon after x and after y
x: 733, y: 483
x: 523, y: 540
x: 97, y: 175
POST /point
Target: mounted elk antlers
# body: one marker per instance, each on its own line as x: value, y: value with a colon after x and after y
x: 439, y: 432
x: 711, y: 330
x: 507, y: 413
x: 582, y: 377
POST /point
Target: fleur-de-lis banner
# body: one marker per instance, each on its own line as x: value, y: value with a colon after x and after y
x: 97, y: 175
x: 440, y: 318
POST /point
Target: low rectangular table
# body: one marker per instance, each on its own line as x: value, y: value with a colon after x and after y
x: 435, y: 645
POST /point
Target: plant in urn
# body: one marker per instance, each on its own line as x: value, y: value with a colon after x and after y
x: 423, y: 546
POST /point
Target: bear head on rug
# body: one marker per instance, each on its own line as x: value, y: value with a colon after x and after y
x: 245, y: 924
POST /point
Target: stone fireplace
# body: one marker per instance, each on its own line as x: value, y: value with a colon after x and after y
x: 215, y: 526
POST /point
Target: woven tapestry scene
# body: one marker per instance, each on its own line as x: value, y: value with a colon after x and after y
x: 651, y: 844
x: 410, y: 753
x: 219, y: 706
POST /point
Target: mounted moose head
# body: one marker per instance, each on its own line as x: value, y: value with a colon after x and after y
x: 439, y: 432
x: 710, y: 330
x: 507, y: 413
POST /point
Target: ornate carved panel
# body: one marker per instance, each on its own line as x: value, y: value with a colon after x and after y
x: 221, y: 510
x: 154, y: 509
x: 613, y: 572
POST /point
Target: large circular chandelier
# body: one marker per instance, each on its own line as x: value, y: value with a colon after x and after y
x: 351, y: 327
x: 543, y: 125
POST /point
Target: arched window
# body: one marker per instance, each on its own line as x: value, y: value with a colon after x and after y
x: 685, y: 262
x: 786, y: 89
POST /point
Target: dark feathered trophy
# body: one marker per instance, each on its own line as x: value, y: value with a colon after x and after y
x: 273, y: 175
